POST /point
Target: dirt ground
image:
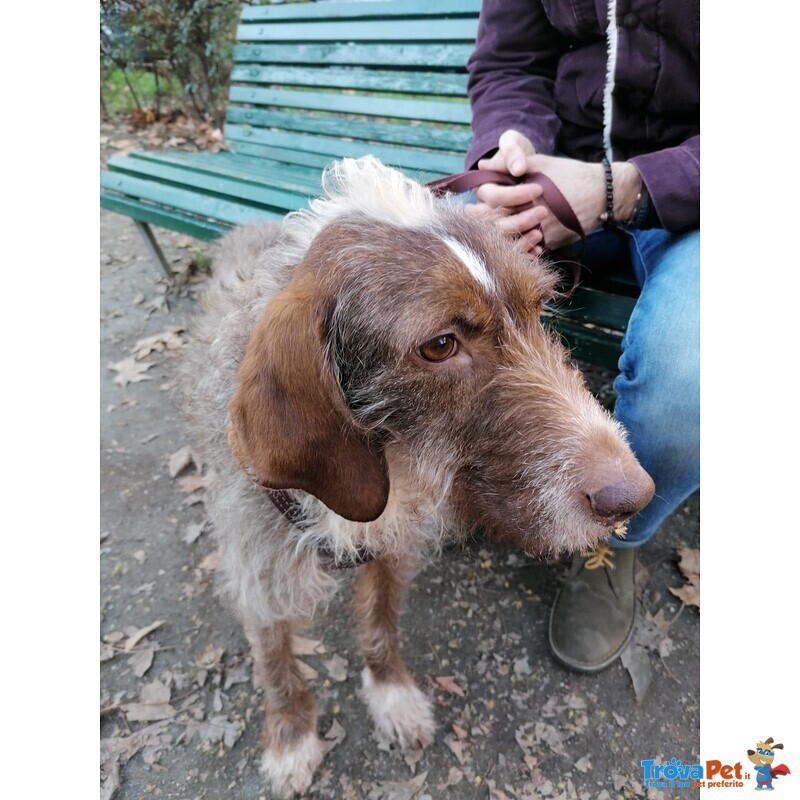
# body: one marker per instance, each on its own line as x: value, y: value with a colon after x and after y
x: 179, y: 715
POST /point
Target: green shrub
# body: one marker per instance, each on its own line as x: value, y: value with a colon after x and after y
x: 189, y: 40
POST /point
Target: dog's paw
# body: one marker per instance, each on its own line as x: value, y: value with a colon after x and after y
x: 290, y: 772
x: 401, y: 712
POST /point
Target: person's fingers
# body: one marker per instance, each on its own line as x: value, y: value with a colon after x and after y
x: 524, y: 220
x: 496, y: 163
x: 531, y: 241
x: 512, y: 154
x: 498, y: 196
x: 516, y: 148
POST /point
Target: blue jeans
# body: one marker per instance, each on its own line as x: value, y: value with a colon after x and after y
x: 658, y: 386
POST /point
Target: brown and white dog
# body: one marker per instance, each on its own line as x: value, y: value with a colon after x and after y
x: 380, y: 356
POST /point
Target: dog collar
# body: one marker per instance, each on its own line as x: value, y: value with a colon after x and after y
x: 293, y: 513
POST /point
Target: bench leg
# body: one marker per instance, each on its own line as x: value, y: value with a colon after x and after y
x: 153, y: 248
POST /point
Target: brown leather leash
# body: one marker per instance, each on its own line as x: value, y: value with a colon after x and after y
x: 551, y: 195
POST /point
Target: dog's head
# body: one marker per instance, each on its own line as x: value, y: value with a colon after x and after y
x: 411, y: 331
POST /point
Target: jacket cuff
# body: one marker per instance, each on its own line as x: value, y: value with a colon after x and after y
x: 672, y: 177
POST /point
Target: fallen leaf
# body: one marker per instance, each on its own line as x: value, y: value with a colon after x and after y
x: 179, y: 460
x: 109, y: 786
x: 237, y: 673
x: 169, y: 339
x: 334, y: 736
x: 210, y: 562
x: 140, y: 633
x: 107, y: 652
x: 689, y: 565
x: 636, y: 660
x: 155, y: 692
x: 307, y: 647
x: 193, y: 531
x: 688, y: 594
x: 141, y: 661
x: 521, y: 666
x: 456, y: 747
x: 495, y: 793
x: 398, y: 790
x: 130, y: 371
x: 583, y: 764
x: 448, y: 683
x: 551, y: 736
x: 619, y: 719
x: 306, y: 670
x: 619, y: 780
x: 148, y: 712
x: 191, y: 483
x: 216, y: 729
x: 211, y: 657
x: 454, y: 777
x: 337, y: 667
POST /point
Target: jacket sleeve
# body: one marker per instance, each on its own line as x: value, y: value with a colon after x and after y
x: 511, y: 75
x: 672, y: 177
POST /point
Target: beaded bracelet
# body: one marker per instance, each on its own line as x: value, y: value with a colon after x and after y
x: 608, y: 216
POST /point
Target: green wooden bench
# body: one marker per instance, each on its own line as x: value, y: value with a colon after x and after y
x: 313, y: 82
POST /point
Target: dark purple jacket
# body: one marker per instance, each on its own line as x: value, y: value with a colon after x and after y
x: 549, y: 67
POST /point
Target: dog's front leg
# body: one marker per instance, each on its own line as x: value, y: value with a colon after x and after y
x: 402, y: 713
x: 292, y: 749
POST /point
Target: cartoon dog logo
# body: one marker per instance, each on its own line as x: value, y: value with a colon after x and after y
x: 762, y: 757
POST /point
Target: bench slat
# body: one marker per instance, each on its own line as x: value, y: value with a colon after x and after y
x: 443, y: 83
x: 378, y: 55
x: 594, y: 347
x: 386, y: 132
x: 211, y: 185
x: 599, y: 308
x: 452, y: 30
x: 453, y: 112
x: 404, y: 158
x: 261, y: 171
x: 165, y: 218
x: 186, y: 200
x: 383, y: 10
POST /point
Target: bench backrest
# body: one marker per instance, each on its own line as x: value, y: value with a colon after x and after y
x: 395, y: 70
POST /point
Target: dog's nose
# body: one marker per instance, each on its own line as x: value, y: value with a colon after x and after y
x: 618, y: 489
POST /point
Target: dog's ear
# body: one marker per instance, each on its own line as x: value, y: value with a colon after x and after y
x: 290, y: 426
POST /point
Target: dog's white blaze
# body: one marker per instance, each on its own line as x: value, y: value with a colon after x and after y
x: 472, y: 262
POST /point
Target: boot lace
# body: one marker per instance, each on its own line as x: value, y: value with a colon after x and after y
x: 603, y: 556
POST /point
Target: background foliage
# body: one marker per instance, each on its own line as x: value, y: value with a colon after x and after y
x: 157, y: 50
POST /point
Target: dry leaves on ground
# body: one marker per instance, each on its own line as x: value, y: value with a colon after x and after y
x: 153, y: 704
x: 398, y: 790
x: 689, y: 565
x: 650, y: 636
x: 179, y: 460
x: 170, y: 339
x: 129, y: 370
x: 448, y: 683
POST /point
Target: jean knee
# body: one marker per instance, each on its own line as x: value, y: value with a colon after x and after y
x: 658, y: 398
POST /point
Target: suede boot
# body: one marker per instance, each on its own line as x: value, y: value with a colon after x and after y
x: 593, y: 613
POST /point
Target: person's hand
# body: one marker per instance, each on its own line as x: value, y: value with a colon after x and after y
x: 520, y: 205
x: 582, y: 184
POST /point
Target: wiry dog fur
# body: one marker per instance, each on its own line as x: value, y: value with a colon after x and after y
x: 305, y: 373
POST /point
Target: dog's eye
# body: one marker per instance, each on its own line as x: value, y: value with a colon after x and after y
x: 439, y: 348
